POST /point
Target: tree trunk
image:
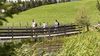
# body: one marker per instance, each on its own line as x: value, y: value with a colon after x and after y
x: 87, y: 27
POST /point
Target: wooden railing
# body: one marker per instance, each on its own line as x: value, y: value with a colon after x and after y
x: 38, y: 32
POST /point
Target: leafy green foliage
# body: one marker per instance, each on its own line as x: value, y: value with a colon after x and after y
x: 8, y: 48
x: 4, y: 13
x: 82, y: 18
x: 28, y: 47
x: 16, y: 48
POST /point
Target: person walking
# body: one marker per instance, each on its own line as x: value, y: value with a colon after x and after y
x: 34, y: 24
x: 56, y: 25
x: 44, y: 25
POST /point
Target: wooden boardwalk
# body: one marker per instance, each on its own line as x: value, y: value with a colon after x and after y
x: 28, y: 32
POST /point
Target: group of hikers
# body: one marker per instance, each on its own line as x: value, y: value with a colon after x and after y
x: 44, y: 24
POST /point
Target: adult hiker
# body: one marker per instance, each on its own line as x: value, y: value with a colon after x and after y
x: 34, y: 24
x: 44, y: 25
x: 56, y: 25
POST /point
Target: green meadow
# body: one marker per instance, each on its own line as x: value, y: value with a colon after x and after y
x: 84, y: 44
x: 63, y: 12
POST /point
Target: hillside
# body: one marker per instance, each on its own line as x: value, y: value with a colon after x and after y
x: 64, y: 12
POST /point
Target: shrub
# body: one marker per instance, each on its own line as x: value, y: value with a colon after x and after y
x: 82, y: 19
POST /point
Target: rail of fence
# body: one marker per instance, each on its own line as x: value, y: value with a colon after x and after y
x: 38, y: 32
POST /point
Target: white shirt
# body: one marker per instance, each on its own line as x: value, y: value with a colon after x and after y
x: 33, y: 24
x: 56, y: 24
x: 44, y: 25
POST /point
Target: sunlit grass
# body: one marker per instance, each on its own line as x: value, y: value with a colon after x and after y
x: 64, y: 12
x: 85, y: 44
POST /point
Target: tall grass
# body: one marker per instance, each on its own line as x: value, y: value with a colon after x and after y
x: 85, y: 44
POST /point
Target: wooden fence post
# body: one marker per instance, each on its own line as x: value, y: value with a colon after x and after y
x: 12, y: 32
x: 64, y: 29
x: 8, y: 31
x: 49, y: 32
x: 36, y: 33
x: 31, y: 32
x: 26, y: 28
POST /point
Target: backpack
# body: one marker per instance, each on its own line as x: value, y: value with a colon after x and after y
x: 58, y: 24
x: 36, y: 25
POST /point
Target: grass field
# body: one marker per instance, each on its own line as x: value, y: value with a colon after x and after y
x: 64, y: 12
x: 85, y: 44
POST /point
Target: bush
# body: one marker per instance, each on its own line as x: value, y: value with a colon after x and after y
x: 82, y: 19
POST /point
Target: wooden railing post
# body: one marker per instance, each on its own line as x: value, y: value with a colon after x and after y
x: 12, y: 32
x: 31, y: 32
x: 35, y: 32
x: 49, y: 31
x: 64, y: 29
x: 8, y: 31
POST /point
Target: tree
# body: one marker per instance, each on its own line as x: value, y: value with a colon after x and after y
x: 4, y: 12
x: 82, y: 19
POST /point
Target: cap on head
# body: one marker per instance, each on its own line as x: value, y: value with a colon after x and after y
x: 56, y: 20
